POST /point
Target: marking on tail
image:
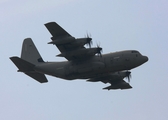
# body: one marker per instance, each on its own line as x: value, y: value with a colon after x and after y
x: 30, y: 52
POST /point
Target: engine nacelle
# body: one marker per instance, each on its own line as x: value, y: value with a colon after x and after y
x: 63, y: 40
x: 83, y: 41
x: 121, y: 74
x: 80, y: 52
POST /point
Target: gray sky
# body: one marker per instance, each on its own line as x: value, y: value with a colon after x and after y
x: 116, y: 25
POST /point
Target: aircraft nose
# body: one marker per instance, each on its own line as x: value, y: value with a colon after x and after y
x: 145, y: 58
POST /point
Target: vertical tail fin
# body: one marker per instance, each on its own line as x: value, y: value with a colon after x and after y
x: 30, y: 52
x: 30, y: 57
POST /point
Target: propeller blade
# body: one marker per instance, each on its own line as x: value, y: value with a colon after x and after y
x: 89, y: 42
x: 89, y: 39
x: 99, y: 50
x: 128, y: 75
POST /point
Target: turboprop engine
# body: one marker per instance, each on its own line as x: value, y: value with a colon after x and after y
x: 80, y: 52
x: 63, y: 40
x: 76, y: 42
x: 112, y: 77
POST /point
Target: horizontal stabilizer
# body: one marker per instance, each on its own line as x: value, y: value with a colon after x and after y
x: 38, y: 76
x: 22, y: 65
x: 28, y: 69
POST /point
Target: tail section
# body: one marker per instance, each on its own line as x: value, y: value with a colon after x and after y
x: 30, y: 57
x: 30, y: 52
x: 22, y: 65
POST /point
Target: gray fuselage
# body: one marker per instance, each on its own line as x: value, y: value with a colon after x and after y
x: 94, y: 66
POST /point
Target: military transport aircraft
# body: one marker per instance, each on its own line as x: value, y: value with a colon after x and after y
x: 82, y: 62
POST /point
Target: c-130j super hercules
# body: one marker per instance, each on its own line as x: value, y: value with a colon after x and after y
x: 83, y: 63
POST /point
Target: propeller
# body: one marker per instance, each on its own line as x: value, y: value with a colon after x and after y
x: 128, y: 75
x: 99, y: 50
x: 89, y: 40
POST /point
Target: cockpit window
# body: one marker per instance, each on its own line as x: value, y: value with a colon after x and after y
x: 134, y: 51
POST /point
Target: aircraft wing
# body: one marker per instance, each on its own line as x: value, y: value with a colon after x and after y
x: 67, y: 44
x: 56, y: 30
x: 116, y: 81
x: 118, y: 85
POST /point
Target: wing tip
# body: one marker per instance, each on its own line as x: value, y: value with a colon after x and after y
x: 50, y: 23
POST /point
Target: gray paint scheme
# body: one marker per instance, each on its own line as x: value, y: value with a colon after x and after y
x: 108, y: 68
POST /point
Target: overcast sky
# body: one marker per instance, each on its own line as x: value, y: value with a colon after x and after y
x: 117, y: 25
